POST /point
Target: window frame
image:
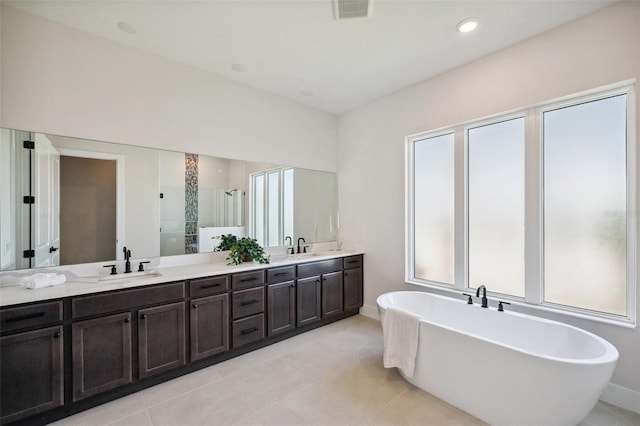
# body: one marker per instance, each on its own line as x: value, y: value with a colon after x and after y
x: 533, y: 204
x: 265, y: 205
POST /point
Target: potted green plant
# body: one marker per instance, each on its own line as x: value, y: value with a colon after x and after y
x: 226, y: 242
x: 243, y: 249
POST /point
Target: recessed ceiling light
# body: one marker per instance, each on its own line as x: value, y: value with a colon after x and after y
x: 238, y: 68
x: 467, y: 25
x: 126, y: 27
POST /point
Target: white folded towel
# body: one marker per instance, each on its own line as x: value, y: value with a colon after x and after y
x: 42, y: 280
x: 400, y: 331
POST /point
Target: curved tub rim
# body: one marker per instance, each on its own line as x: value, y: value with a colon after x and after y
x: 611, y: 353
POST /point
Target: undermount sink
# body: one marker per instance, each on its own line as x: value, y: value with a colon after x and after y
x: 130, y: 276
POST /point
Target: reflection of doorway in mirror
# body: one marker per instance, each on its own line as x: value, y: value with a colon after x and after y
x: 46, y: 206
x: 87, y: 210
x: 92, y: 205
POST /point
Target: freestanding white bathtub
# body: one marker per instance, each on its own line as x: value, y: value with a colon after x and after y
x: 503, y: 367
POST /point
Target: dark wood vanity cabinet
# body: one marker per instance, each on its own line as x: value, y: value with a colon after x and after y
x: 102, y: 346
x: 208, y: 316
x: 209, y: 326
x: 161, y: 339
x: 331, y: 294
x: 352, y: 283
x: 281, y: 300
x: 327, y: 274
x: 101, y: 353
x: 31, y: 360
x: 309, y: 302
x: 63, y: 356
x: 31, y: 373
x: 247, y: 307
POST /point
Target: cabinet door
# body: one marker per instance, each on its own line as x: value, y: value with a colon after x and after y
x: 281, y: 303
x: 352, y: 289
x: 308, y: 300
x: 30, y: 373
x: 101, y: 354
x: 161, y: 338
x: 331, y: 294
x: 209, y: 323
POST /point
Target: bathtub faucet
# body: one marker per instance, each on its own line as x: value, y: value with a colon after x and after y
x: 484, y: 295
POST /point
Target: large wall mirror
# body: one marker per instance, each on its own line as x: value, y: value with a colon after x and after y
x: 67, y: 201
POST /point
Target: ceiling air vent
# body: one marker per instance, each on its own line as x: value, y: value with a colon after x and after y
x: 345, y: 9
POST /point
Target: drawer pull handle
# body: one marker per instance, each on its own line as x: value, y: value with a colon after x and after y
x: 279, y: 274
x: 25, y: 317
x: 244, y: 280
x: 210, y: 285
x: 352, y: 261
x: 248, y: 330
x: 249, y: 302
x: 57, y: 335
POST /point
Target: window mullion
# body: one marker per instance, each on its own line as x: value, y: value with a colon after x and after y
x: 460, y: 211
x: 533, y: 237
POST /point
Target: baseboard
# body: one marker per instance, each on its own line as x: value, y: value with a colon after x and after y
x: 370, y: 311
x: 622, y: 397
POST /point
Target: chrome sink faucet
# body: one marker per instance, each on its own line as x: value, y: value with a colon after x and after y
x: 484, y: 296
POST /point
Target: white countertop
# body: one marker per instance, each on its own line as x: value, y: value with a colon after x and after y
x: 15, y: 294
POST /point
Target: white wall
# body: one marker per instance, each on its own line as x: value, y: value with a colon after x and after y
x: 58, y: 80
x: 594, y: 51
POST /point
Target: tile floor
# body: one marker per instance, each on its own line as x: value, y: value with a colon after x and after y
x: 329, y: 376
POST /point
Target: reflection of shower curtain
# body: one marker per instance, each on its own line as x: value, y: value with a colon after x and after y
x: 220, y: 207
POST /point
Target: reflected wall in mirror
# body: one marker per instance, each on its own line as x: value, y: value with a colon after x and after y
x: 66, y: 201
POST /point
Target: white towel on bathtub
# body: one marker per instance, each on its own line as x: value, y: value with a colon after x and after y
x: 400, y: 334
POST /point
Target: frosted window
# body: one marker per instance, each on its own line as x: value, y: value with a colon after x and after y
x: 273, y: 206
x: 433, y: 208
x: 258, y: 208
x: 496, y: 206
x: 585, y: 205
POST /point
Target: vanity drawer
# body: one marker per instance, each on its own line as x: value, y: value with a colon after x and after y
x: 248, y: 330
x: 316, y: 268
x: 352, y: 262
x: 208, y: 286
x: 126, y: 299
x: 247, y: 279
x: 277, y: 275
x: 30, y: 316
x: 247, y: 302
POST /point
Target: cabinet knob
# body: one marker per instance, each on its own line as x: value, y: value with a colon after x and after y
x: 55, y: 336
x: 143, y: 316
x: 195, y: 306
x: 127, y: 320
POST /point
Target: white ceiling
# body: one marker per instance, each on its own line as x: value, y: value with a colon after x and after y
x: 297, y: 50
